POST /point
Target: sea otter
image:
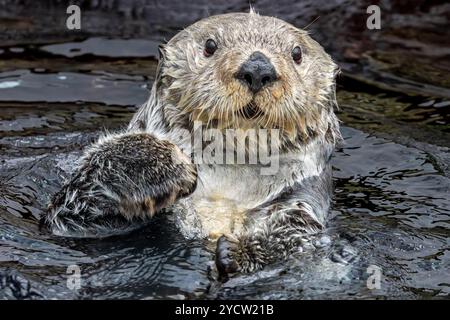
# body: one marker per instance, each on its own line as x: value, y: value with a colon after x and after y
x: 237, y: 71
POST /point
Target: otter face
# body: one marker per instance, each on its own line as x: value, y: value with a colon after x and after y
x: 244, y: 70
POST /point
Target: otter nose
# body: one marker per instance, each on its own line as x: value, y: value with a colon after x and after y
x: 257, y: 72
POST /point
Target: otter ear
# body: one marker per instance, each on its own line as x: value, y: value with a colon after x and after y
x: 337, y: 70
x: 162, y: 58
x: 161, y: 51
x: 143, y: 115
x: 333, y: 99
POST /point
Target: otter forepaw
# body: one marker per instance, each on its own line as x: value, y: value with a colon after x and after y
x: 227, y: 252
x: 122, y: 178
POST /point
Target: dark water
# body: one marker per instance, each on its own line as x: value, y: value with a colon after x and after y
x: 391, y: 206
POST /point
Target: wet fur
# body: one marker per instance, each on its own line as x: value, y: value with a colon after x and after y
x: 123, y: 179
x: 117, y: 181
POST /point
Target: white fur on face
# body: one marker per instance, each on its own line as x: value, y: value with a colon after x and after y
x: 195, y: 87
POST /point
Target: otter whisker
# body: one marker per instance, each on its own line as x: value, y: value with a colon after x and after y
x: 311, y: 23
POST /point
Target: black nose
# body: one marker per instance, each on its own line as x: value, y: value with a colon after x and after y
x: 257, y: 72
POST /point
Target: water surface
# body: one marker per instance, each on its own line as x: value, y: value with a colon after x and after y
x: 392, y: 184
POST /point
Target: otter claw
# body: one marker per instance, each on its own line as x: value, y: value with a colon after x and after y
x: 226, y: 252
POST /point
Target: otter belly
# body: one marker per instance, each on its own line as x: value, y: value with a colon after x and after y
x: 220, y: 216
x: 225, y: 193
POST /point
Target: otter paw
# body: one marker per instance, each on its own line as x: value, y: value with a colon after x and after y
x: 227, y: 251
x: 122, y: 179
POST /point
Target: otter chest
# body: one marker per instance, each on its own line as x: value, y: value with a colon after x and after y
x: 225, y: 193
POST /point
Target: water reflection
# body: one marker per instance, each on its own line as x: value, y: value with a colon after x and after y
x: 391, y: 206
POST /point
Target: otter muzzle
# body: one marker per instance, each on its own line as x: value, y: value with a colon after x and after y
x: 257, y: 72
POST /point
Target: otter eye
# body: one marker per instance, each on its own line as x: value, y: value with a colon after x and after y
x: 210, y: 47
x: 297, y: 55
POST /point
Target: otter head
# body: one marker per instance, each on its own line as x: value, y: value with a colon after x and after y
x: 243, y: 70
